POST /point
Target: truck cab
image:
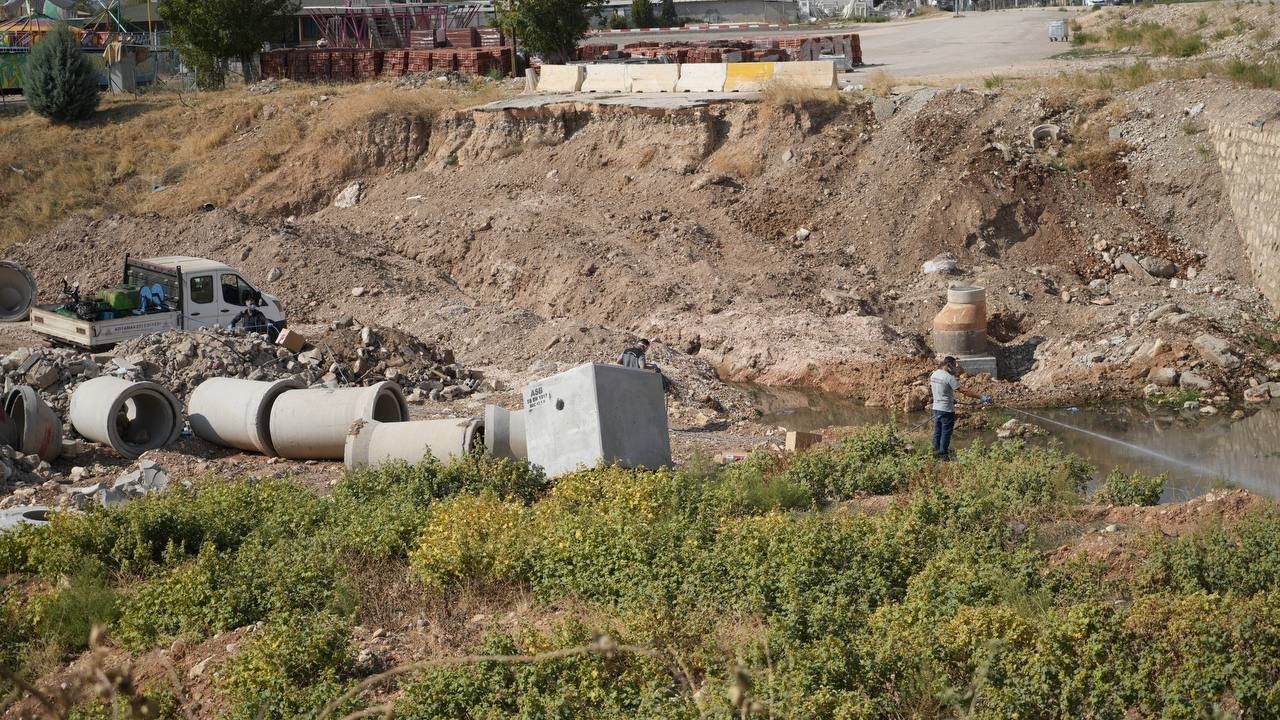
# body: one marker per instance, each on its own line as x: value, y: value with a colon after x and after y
x: 212, y: 293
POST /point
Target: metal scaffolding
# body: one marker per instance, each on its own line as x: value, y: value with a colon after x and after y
x: 384, y: 24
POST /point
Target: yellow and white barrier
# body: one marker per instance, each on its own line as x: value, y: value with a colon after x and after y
x: 688, y: 77
x: 748, y: 76
x: 806, y: 73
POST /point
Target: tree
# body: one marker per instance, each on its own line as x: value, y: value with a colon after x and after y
x: 669, y: 16
x: 209, y: 33
x: 642, y: 13
x: 58, y: 82
x: 549, y: 28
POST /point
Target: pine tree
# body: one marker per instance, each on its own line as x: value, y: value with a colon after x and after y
x: 641, y: 13
x: 58, y: 82
x: 669, y: 16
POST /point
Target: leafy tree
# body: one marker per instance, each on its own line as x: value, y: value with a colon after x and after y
x: 642, y: 13
x: 211, y: 32
x: 549, y: 28
x: 58, y: 81
x: 618, y: 21
x: 669, y: 16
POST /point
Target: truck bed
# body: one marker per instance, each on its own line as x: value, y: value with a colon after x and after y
x: 95, y: 335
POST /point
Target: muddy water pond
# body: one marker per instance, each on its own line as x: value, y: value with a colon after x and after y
x: 1199, y: 453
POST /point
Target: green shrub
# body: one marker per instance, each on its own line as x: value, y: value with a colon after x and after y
x: 1263, y: 75
x: 583, y: 687
x: 58, y: 81
x: 469, y: 538
x: 64, y: 616
x: 290, y: 668
x: 1132, y: 488
x: 1244, y: 561
x: 875, y: 460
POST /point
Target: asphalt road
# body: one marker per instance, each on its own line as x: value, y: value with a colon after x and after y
x: 976, y: 44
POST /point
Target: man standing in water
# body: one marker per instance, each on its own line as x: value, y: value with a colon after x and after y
x: 945, y: 383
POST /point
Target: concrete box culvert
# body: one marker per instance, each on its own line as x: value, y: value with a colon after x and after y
x: 36, y: 430
x: 312, y: 424
x: 131, y: 417
x: 504, y: 434
x: 237, y: 413
x: 17, y: 292
x: 960, y: 328
x: 371, y: 443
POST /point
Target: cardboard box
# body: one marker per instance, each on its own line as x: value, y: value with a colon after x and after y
x: 797, y: 441
x: 291, y: 340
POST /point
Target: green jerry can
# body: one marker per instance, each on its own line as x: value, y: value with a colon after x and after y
x: 121, y: 298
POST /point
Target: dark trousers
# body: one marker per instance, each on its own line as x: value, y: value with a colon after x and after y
x: 943, y: 423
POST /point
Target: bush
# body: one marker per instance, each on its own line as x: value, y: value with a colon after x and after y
x: 618, y: 21
x: 58, y: 82
x: 290, y: 669
x: 1131, y: 489
x: 875, y: 460
x: 469, y: 538
x: 64, y: 616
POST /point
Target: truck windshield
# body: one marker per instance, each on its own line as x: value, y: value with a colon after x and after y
x: 235, y: 291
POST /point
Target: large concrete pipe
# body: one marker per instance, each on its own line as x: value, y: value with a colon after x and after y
x: 371, y: 443
x: 504, y: 433
x: 17, y: 292
x: 36, y: 429
x: 237, y: 413
x: 961, y: 327
x: 312, y: 424
x: 131, y: 417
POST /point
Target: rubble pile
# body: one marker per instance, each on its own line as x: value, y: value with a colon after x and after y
x: 365, y: 354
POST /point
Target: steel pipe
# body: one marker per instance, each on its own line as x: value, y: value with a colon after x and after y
x: 131, y: 417
x: 504, y: 433
x: 312, y: 424
x: 237, y: 413
x: 17, y: 292
x: 371, y: 443
x: 36, y: 430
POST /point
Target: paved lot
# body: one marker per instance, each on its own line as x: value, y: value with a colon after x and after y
x: 1006, y: 42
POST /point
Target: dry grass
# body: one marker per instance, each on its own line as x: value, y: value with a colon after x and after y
x: 788, y: 95
x: 737, y: 161
x: 881, y: 83
x: 161, y: 152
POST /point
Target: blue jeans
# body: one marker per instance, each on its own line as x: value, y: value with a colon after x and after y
x: 943, y: 423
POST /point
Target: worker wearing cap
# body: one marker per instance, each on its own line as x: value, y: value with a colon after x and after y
x: 945, y: 383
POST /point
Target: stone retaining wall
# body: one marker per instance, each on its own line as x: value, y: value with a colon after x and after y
x: 1248, y: 147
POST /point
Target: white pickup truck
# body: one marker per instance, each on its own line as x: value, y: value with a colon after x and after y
x: 194, y: 293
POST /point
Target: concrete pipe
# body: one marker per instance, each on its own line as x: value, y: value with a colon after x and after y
x: 131, y: 417
x: 36, y: 429
x: 17, y: 292
x: 504, y: 433
x: 237, y: 413
x: 371, y: 443
x: 961, y: 327
x: 312, y: 424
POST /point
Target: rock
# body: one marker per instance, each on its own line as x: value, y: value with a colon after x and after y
x: 1258, y: 394
x: 1208, y: 410
x: 943, y: 263
x: 1166, y: 309
x: 700, y: 183
x: 358, y: 291
x: 1194, y: 110
x: 1160, y: 267
x: 1103, y: 301
x: 349, y: 197
x: 1164, y: 377
x: 802, y: 234
x: 1192, y: 381
x: 198, y: 669
x: 1237, y: 415
x: 1098, y: 286
x: 1150, y: 389
x: 275, y: 274
x: 1191, y: 406
x: 1135, y: 268
x: 1216, y: 350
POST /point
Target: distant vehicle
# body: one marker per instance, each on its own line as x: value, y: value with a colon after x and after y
x: 175, y: 292
x: 1100, y: 3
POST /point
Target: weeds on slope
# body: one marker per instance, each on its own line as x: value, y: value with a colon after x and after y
x: 754, y: 591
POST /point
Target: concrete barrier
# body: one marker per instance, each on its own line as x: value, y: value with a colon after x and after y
x: 701, y: 77
x: 748, y: 77
x: 561, y: 78
x: 606, y: 78
x: 653, y: 78
x: 806, y: 73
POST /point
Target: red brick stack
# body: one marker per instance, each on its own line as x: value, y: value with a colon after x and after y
x: 275, y: 64
x: 318, y: 65
x: 462, y: 37
x: 593, y: 52
x: 489, y: 37
x: 418, y: 61
x: 395, y: 62
x: 366, y: 64
x: 422, y: 39
x: 341, y: 67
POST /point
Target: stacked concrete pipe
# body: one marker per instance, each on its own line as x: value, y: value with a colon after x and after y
x: 31, y: 425
x: 17, y: 292
x: 371, y: 443
x: 237, y: 413
x: 131, y: 417
x: 960, y: 328
x: 312, y: 424
x: 504, y: 435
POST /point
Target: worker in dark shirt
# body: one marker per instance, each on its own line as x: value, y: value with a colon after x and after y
x: 253, y: 319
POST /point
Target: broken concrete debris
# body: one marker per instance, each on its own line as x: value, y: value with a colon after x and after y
x: 149, y: 477
x: 349, y: 197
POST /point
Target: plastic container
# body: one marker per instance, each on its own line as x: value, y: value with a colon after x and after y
x: 121, y: 298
